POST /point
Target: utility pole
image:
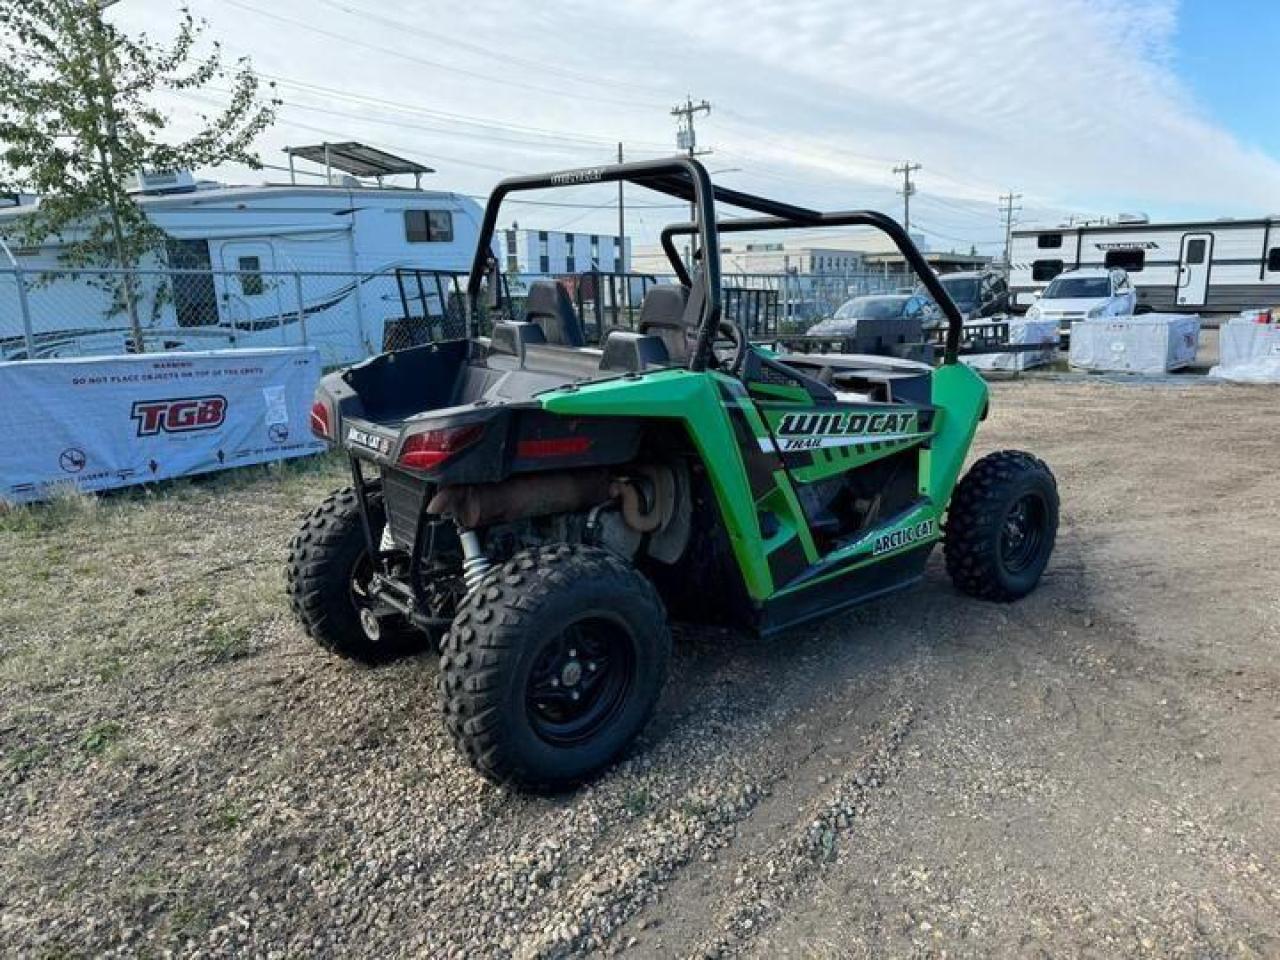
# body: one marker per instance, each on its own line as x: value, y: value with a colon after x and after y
x: 908, y: 188
x: 1008, y: 209
x: 620, y: 259
x: 108, y: 164
x: 687, y: 140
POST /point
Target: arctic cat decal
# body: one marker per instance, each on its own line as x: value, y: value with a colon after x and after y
x: 904, y: 537
x: 810, y: 431
x: 370, y: 441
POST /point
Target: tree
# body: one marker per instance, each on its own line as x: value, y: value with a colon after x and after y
x: 79, y: 115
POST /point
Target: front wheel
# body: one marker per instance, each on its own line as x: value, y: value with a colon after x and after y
x: 1001, y: 526
x: 552, y: 666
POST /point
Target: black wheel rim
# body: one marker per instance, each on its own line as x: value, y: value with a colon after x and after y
x: 580, y: 679
x: 1022, y: 535
x: 361, y: 599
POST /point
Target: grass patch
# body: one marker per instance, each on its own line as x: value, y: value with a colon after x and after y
x: 638, y: 802
x: 25, y: 759
x: 229, y: 816
x: 98, y: 738
x: 223, y: 643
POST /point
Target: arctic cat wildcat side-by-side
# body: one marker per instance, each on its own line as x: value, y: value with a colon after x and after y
x: 541, y: 508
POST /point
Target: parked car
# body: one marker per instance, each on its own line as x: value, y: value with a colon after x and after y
x: 844, y: 323
x: 1085, y: 295
x: 978, y: 294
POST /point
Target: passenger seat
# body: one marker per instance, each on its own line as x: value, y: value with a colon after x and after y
x: 551, y: 309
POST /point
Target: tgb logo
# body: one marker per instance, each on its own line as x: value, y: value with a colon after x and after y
x: 183, y: 415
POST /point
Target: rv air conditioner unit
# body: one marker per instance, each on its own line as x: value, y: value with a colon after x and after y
x: 1132, y: 218
x: 344, y: 180
x: 162, y: 181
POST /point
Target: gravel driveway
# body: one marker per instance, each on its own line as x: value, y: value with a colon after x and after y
x: 1091, y: 772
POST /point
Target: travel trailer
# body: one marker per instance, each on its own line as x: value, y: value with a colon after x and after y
x: 1205, y: 267
x: 263, y: 265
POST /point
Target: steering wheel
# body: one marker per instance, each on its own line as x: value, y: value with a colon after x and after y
x: 733, y: 334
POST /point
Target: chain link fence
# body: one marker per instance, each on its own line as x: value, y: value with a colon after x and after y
x: 349, y: 316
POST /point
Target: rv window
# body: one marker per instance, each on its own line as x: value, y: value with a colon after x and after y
x: 1195, y: 250
x: 1273, y: 259
x: 251, y: 284
x: 428, y: 226
x: 1130, y: 260
x: 1045, y: 269
x: 1049, y: 241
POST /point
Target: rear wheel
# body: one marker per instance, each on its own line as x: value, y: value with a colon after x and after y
x: 1001, y: 526
x: 552, y: 666
x: 328, y: 575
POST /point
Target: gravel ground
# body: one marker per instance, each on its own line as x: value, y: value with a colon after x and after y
x: 1092, y: 771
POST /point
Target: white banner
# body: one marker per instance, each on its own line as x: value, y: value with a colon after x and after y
x: 102, y: 422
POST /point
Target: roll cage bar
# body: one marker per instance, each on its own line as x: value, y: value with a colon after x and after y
x: 687, y: 179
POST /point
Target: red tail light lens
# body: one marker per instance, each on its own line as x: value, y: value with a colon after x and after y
x: 426, y: 451
x: 321, y: 425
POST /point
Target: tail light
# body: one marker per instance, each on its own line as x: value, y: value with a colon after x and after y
x: 321, y: 421
x: 426, y: 451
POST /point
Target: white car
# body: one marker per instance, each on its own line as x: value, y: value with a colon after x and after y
x: 1085, y: 295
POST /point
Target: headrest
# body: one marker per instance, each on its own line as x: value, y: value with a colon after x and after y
x: 548, y: 298
x: 549, y: 306
x: 663, y: 306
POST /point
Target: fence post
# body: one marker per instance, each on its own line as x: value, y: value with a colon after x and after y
x: 28, y: 333
x: 302, y: 314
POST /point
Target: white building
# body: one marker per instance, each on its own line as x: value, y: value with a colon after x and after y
x: 551, y: 252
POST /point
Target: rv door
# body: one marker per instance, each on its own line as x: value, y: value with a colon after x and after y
x: 1193, y: 269
x: 251, y: 293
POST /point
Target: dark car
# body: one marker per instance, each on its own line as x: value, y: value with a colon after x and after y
x: 978, y: 293
x: 878, y: 307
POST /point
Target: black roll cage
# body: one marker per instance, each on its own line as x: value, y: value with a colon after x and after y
x: 687, y: 179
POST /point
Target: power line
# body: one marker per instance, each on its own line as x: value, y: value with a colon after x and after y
x: 471, y: 119
x: 389, y: 51
x: 501, y: 56
x: 908, y: 188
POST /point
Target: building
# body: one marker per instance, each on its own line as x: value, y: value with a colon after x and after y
x: 551, y: 252
x: 775, y: 257
x: 893, y: 267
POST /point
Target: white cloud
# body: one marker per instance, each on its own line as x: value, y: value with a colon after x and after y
x: 1072, y: 102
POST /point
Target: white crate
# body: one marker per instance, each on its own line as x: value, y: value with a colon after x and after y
x: 1150, y: 343
x: 1248, y: 352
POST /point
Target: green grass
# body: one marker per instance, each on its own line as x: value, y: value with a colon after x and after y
x: 100, y: 737
x: 223, y: 643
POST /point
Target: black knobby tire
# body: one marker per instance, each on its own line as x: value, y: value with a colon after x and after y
x: 1001, y: 526
x: 328, y: 558
x: 553, y: 621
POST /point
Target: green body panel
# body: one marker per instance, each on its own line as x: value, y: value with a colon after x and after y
x: 706, y: 404
x: 693, y: 399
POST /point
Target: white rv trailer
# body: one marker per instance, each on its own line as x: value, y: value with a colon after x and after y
x: 1205, y: 267
x: 250, y: 266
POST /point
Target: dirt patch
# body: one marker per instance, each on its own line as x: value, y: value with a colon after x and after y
x: 1090, y: 771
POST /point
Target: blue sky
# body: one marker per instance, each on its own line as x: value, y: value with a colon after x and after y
x: 1227, y: 53
x: 1082, y: 106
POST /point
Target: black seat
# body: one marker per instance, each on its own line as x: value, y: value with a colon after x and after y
x: 550, y: 308
x: 664, y: 314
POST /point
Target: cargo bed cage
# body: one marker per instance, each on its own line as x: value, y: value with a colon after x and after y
x: 977, y: 339
x: 684, y: 178
x: 986, y: 337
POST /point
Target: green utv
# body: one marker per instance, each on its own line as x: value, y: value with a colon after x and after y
x: 541, y: 508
